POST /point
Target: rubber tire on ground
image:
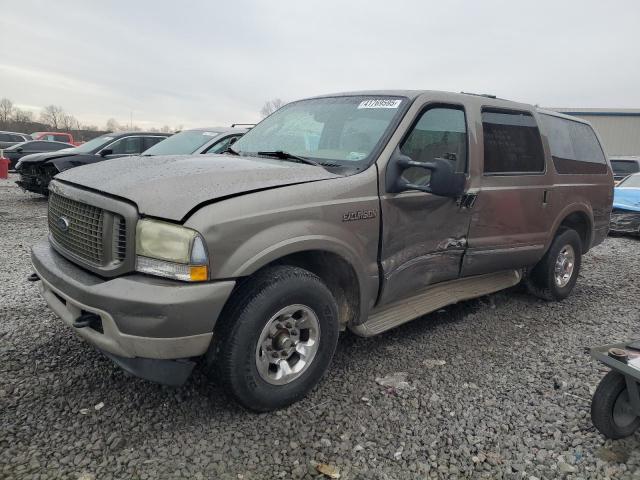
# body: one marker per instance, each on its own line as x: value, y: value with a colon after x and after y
x: 541, y: 280
x: 231, y: 356
x: 612, y: 385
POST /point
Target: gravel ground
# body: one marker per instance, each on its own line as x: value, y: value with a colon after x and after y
x: 511, y: 401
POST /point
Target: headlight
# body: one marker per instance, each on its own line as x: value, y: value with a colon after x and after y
x: 169, y: 250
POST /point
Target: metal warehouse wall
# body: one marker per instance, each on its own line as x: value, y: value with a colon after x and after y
x: 619, y: 129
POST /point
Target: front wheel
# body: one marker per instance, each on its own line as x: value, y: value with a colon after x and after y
x: 554, y: 277
x: 276, y: 338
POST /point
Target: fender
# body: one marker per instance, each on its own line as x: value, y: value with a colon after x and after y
x: 577, y: 207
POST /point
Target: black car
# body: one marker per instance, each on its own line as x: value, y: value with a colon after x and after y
x: 19, y: 150
x: 37, y: 170
x: 8, y: 139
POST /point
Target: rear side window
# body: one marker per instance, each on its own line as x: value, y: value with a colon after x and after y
x: 5, y: 137
x: 151, y: 141
x: 512, y: 143
x: 574, y: 146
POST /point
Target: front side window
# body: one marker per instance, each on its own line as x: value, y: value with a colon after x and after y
x: 574, y: 146
x: 342, y: 131
x: 126, y: 146
x: 222, y: 145
x: 94, y: 145
x: 440, y: 132
x: 512, y: 143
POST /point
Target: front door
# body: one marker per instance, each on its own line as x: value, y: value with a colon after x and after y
x: 424, y: 235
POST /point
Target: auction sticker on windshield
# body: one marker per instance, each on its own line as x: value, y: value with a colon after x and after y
x: 380, y: 103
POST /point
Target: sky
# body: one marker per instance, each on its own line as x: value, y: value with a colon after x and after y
x: 204, y: 63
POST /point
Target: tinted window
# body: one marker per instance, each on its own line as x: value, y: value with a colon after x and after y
x: 439, y: 133
x: 5, y: 137
x: 149, y: 142
x: 512, y: 143
x: 624, y: 167
x: 574, y: 146
x: 126, y: 146
x: 182, y: 143
x: 60, y: 138
x: 222, y: 145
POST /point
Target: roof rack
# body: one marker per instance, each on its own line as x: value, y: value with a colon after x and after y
x: 234, y: 125
x: 480, y: 94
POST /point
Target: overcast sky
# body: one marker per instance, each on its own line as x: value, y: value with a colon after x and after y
x: 214, y: 63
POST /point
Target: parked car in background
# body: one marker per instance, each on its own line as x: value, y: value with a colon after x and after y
x: 197, y: 140
x: 358, y: 210
x: 37, y: 170
x: 55, y: 137
x: 625, y: 216
x: 19, y: 150
x: 8, y: 139
x: 623, y: 166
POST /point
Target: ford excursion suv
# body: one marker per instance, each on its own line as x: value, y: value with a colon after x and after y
x: 356, y: 211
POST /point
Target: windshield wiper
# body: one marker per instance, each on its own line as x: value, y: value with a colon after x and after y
x: 290, y: 156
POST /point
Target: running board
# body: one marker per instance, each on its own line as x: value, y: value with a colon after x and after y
x: 435, y: 297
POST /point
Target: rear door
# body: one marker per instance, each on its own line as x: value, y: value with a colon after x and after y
x: 423, y: 238
x: 510, y: 217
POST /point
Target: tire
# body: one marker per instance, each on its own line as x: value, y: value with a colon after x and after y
x: 240, y: 360
x: 608, y: 405
x: 542, y: 281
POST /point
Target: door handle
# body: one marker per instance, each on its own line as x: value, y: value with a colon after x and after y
x: 546, y: 197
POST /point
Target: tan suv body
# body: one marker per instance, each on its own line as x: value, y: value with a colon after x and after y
x: 359, y: 210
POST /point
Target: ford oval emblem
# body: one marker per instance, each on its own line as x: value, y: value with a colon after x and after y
x: 63, y: 223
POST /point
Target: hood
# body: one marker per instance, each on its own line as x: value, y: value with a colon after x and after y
x: 44, y: 156
x: 171, y: 186
x: 627, y: 199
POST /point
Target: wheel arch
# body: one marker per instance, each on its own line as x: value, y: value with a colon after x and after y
x: 333, y: 262
x: 578, y: 218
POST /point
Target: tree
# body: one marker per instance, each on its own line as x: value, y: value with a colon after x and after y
x: 271, y: 106
x: 6, y: 110
x: 112, y: 125
x: 22, y: 116
x: 69, y: 122
x: 52, y: 116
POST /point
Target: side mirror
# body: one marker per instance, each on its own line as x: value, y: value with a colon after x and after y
x: 233, y: 140
x: 444, y: 181
x: 106, y: 151
x: 19, y: 149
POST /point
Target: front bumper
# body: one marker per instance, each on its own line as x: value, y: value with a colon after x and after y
x: 625, y: 222
x: 141, y: 317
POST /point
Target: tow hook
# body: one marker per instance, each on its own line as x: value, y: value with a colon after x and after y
x: 87, y: 320
x: 33, y: 277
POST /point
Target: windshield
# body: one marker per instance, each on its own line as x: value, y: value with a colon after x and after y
x: 338, y: 130
x: 632, y: 181
x: 182, y: 143
x: 92, y: 145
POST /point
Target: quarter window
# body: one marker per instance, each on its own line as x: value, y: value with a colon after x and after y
x: 574, y: 146
x: 441, y: 132
x: 512, y: 143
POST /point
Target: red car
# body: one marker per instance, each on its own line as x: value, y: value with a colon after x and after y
x: 55, y: 137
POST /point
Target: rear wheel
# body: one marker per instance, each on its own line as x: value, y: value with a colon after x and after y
x: 275, y: 339
x: 554, y: 277
x: 611, y: 410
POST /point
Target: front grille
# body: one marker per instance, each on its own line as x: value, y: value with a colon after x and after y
x: 119, y: 238
x: 77, y: 228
